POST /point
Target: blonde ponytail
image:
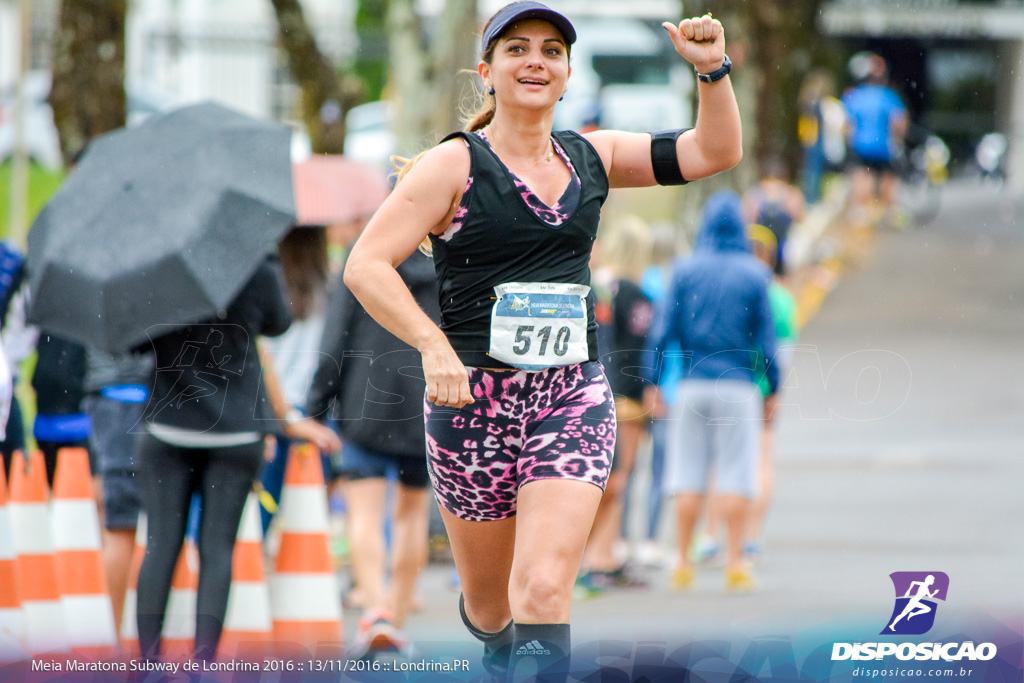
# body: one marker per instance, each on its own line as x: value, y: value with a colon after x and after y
x: 482, y: 116
x: 487, y: 104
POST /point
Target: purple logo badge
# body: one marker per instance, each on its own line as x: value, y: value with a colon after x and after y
x: 916, y: 593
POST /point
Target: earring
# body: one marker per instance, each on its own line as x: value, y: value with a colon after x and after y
x: 561, y: 98
x: 490, y: 91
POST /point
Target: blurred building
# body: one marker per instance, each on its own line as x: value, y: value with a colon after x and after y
x: 177, y: 52
x: 956, y: 62
x: 226, y: 50
x: 186, y: 51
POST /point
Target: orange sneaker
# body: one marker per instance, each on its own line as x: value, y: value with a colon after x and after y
x: 683, y: 578
x: 740, y: 580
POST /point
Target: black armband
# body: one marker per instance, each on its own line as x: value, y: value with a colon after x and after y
x: 664, y: 158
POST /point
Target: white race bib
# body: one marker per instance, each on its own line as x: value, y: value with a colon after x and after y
x: 539, y: 325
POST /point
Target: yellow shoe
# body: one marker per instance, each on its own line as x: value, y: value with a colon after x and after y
x: 683, y: 578
x: 740, y: 580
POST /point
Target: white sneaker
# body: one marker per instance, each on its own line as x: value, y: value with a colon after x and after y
x: 650, y: 554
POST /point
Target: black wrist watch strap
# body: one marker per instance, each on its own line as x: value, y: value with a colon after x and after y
x: 716, y: 75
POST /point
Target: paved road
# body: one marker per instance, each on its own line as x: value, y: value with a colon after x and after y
x: 901, y: 449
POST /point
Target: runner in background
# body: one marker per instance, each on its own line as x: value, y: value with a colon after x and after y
x: 784, y: 316
x: 624, y: 314
x: 877, y: 123
x: 717, y: 311
x: 777, y: 205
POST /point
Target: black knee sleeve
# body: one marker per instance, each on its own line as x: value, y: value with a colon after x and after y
x: 497, y: 645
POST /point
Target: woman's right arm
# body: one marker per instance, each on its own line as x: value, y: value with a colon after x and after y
x: 423, y: 202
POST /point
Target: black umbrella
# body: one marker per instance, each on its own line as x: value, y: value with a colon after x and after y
x: 159, y: 224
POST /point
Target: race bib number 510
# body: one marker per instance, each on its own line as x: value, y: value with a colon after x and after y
x: 539, y: 325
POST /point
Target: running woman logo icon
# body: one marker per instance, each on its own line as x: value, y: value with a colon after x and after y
x: 916, y: 593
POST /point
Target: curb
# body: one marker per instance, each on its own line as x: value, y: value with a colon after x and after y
x: 816, y: 256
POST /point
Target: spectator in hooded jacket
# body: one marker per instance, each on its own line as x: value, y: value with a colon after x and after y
x: 717, y: 310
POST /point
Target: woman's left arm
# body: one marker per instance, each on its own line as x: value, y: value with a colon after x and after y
x: 713, y: 145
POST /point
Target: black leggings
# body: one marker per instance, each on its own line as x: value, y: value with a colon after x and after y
x: 170, y: 475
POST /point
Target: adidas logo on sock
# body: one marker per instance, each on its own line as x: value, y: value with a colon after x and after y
x: 534, y: 647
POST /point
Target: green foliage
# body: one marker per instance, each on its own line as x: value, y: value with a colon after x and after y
x: 42, y: 184
x: 371, y: 64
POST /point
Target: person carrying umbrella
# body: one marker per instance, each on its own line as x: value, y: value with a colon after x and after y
x: 367, y: 385
x: 204, y: 428
x: 520, y: 419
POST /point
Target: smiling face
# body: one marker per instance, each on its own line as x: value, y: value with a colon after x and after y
x: 529, y: 66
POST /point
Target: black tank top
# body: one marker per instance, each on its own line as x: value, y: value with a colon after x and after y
x: 502, y: 240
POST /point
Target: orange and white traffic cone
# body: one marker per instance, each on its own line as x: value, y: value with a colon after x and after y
x: 12, y: 619
x: 129, y: 626
x: 81, y: 578
x: 179, y: 629
x: 247, y: 623
x: 45, y: 630
x: 304, y: 597
x: 179, y: 633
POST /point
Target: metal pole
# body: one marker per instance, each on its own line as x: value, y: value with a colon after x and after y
x: 17, y: 226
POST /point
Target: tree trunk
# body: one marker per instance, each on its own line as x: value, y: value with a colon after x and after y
x: 326, y: 95
x: 770, y: 50
x: 370, y: 65
x: 408, y: 81
x: 425, y: 83
x: 786, y: 48
x: 455, y: 49
x: 87, y: 95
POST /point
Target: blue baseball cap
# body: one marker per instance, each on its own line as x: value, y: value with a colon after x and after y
x: 521, y: 11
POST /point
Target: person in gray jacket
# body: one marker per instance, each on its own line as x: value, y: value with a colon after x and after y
x: 370, y: 383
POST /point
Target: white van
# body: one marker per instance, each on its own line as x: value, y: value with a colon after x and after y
x: 628, y: 76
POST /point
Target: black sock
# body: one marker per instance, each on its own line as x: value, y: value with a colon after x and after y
x: 542, y: 650
x: 497, y: 645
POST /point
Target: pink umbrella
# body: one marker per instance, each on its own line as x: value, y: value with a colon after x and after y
x: 331, y: 189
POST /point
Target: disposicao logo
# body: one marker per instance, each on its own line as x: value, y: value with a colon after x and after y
x: 914, y: 615
x: 916, y: 593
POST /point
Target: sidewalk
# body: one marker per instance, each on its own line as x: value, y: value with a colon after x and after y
x: 818, y: 249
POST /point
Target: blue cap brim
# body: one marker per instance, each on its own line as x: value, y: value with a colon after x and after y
x: 522, y: 11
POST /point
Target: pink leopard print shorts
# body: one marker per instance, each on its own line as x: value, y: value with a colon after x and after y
x: 554, y: 424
